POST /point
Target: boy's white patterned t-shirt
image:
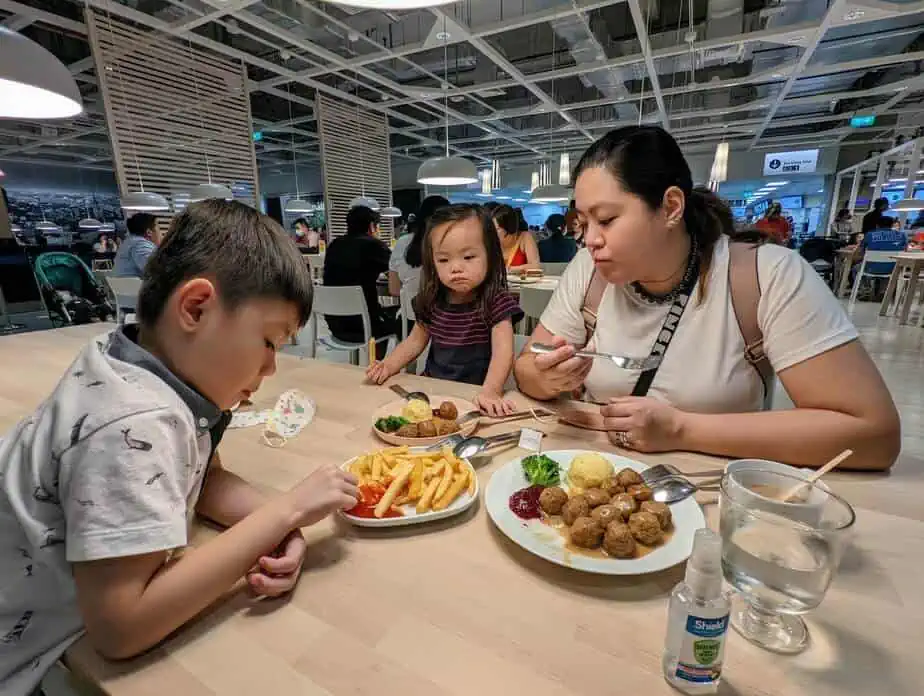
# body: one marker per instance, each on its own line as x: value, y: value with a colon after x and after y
x: 110, y: 465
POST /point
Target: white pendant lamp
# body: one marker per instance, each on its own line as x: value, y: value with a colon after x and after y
x: 485, y: 182
x: 448, y: 170
x: 908, y: 205
x: 533, y: 182
x: 391, y: 4
x: 365, y: 201
x: 391, y: 212
x: 204, y: 192
x: 144, y: 202
x: 33, y: 83
x: 297, y: 205
x: 564, y: 169
x: 550, y: 193
x: 89, y: 223
x: 45, y: 225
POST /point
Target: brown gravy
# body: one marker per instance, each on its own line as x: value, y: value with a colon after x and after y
x: 556, y: 523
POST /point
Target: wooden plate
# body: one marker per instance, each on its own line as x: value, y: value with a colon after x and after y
x: 393, y: 408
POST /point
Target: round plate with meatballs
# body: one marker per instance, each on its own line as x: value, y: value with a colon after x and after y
x: 415, y: 424
x: 600, y: 518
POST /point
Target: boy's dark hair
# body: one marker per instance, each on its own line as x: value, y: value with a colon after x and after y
x: 431, y: 291
x: 140, y: 224
x: 247, y: 255
x: 360, y: 219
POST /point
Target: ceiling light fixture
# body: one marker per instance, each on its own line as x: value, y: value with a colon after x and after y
x: 907, y: 205
x: 204, y: 192
x: 564, y: 169
x: 33, y: 83
x: 391, y: 4
x: 448, y: 170
x: 365, y: 201
x: 550, y: 193
x: 295, y: 205
x: 391, y: 212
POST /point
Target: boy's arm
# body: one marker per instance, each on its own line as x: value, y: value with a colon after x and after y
x: 501, y: 358
x: 226, y: 498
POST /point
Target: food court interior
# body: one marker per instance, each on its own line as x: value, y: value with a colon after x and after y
x: 802, y: 115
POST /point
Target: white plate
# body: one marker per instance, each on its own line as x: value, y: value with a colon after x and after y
x: 458, y: 506
x: 547, y: 543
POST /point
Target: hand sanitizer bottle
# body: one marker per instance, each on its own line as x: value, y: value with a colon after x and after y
x: 698, y: 620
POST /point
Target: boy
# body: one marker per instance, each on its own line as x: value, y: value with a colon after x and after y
x: 97, y: 486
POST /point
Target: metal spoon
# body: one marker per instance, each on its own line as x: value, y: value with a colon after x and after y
x: 621, y: 361
x: 471, y: 446
x: 410, y: 396
x: 450, y: 441
x: 676, y: 488
x: 662, y: 471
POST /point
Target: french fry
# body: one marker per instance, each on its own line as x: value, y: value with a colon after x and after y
x: 423, y: 505
x: 458, y: 483
x: 445, y: 480
x: 416, y: 480
x: 394, y: 450
x: 471, y: 482
x: 377, y: 472
x: 393, y: 489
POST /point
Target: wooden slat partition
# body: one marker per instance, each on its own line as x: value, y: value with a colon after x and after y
x: 168, y: 105
x: 354, y: 155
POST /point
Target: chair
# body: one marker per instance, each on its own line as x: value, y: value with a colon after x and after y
x: 872, y: 257
x: 406, y: 312
x: 347, y: 301
x: 316, y: 267
x: 553, y: 269
x: 533, y: 302
x: 125, y: 290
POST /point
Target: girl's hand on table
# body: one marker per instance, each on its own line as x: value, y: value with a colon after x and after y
x: 379, y: 372
x: 560, y: 370
x: 494, y: 405
x: 277, y: 574
x: 642, y: 423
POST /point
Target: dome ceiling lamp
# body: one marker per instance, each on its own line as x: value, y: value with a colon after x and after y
x: 295, y: 205
x: 33, y: 83
x: 209, y: 190
x: 447, y: 170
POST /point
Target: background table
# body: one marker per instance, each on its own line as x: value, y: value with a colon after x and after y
x: 913, y: 262
x: 455, y: 608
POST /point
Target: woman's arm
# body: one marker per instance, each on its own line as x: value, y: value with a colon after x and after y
x: 545, y: 377
x: 531, y: 249
x: 394, y: 284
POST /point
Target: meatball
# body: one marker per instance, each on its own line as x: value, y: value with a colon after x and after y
x: 645, y: 528
x: 552, y: 500
x: 640, y: 492
x: 574, y: 508
x: 586, y: 532
x: 659, y: 510
x: 618, y: 540
x: 606, y: 514
x: 625, y: 504
x: 596, y: 497
x: 426, y: 429
x: 629, y: 477
x: 446, y: 427
x: 448, y: 411
x: 612, y: 486
x: 409, y: 430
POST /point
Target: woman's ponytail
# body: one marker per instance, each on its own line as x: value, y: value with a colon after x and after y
x: 708, y: 218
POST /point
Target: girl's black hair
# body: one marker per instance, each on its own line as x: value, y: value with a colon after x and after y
x: 418, y: 228
x: 431, y: 291
x: 646, y: 160
x: 507, y: 219
x: 301, y: 221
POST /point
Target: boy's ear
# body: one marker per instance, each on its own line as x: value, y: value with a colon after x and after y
x: 192, y: 300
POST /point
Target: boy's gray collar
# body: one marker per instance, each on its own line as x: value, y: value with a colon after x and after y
x: 123, y: 345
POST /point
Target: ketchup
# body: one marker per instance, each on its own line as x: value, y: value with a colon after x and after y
x: 368, y: 511
x: 369, y: 496
x: 525, y: 503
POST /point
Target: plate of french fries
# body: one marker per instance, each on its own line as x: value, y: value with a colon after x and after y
x: 402, y: 485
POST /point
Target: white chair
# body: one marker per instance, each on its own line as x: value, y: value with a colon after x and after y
x: 125, y: 292
x: 872, y: 257
x: 347, y: 301
x: 553, y: 269
x: 316, y: 267
x: 533, y: 302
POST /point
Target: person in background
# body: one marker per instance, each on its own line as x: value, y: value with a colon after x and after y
x: 841, y: 227
x: 406, y: 257
x: 300, y: 231
x: 556, y: 247
x: 775, y: 225
x: 104, y: 245
x: 518, y: 246
x: 141, y: 242
x: 657, y: 247
x: 876, y: 219
x: 103, y: 480
x: 890, y: 238
x: 359, y: 258
x: 463, y: 310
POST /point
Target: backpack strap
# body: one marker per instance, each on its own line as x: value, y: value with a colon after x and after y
x: 744, y: 287
x: 591, y: 304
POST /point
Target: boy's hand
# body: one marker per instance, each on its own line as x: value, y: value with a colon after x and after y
x: 326, y: 490
x: 277, y: 574
x: 379, y: 372
x: 494, y: 405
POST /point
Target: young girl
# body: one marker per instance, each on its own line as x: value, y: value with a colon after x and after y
x: 463, y: 309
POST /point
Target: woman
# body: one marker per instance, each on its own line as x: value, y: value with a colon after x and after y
x: 104, y: 245
x: 519, y: 246
x: 654, y: 242
x: 406, y: 256
x: 556, y: 247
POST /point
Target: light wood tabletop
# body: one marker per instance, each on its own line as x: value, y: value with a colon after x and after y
x: 912, y: 264
x: 455, y: 608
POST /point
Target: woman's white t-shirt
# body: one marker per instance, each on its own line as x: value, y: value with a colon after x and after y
x: 704, y: 370
x: 407, y: 274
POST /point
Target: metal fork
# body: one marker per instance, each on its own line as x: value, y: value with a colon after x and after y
x: 476, y: 415
x: 621, y: 361
x: 663, y: 471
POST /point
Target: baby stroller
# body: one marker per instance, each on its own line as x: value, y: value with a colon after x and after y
x: 71, y: 293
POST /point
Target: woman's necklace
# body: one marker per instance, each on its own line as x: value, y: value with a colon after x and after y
x: 686, y: 283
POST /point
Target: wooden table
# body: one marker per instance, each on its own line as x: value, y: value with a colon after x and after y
x: 843, y: 262
x: 913, y: 263
x: 455, y: 608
